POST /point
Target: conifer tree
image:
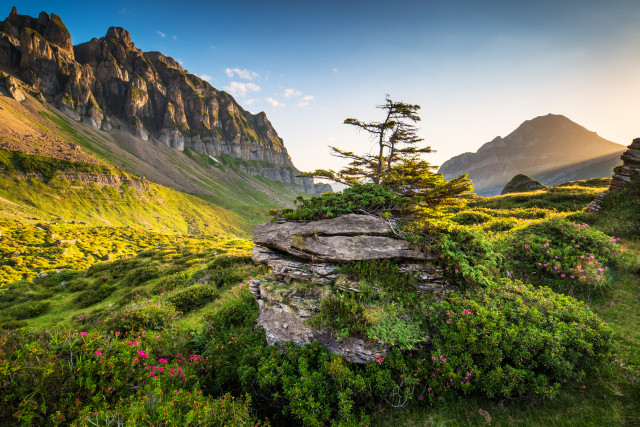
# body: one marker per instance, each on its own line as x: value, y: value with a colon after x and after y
x: 396, y: 163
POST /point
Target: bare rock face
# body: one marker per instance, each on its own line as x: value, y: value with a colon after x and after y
x: 622, y: 174
x: 109, y: 80
x: 310, y: 252
x: 14, y: 90
x: 343, y: 239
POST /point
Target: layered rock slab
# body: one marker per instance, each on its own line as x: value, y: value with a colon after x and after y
x: 344, y: 239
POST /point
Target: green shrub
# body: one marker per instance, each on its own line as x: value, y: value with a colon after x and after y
x: 147, y: 315
x: 467, y: 254
x: 140, y: 275
x: 471, y: 217
x: 515, y: 340
x: 193, y: 297
x: 567, y: 256
x: 370, y: 198
x: 94, y: 295
x: 26, y: 310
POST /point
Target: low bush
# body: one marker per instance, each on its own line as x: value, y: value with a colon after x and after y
x: 193, y: 297
x: 566, y: 256
x: 515, y: 340
x: 362, y: 198
x: 146, y: 315
x: 94, y: 295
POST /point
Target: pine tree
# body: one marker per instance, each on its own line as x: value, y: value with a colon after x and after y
x: 397, y: 164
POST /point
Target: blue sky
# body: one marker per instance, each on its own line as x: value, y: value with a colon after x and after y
x: 477, y: 68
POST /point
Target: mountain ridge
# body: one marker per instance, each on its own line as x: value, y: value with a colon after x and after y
x: 109, y: 83
x: 541, y: 148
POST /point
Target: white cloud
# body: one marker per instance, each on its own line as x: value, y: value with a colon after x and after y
x: 174, y: 37
x: 180, y: 61
x: 206, y: 77
x: 288, y: 93
x: 305, y: 100
x: 251, y: 101
x: 123, y: 11
x: 335, y: 70
x: 274, y: 103
x: 161, y: 34
x: 242, y: 74
x: 241, y: 89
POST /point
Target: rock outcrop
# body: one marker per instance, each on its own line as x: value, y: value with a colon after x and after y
x: 343, y: 239
x: 521, y: 184
x: 311, y: 252
x: 551, y: 149
x: 109, y: 82
x: 622, y: 174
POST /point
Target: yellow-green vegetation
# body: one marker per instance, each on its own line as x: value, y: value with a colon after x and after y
x: 54, y: 189
x: 172, y: 319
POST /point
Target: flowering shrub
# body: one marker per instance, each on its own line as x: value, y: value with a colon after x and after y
x: 515, y: 340
x: 563, y: 255
x: 56, y: 376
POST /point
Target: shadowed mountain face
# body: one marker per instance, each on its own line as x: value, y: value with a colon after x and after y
x: 551, y: 149
x: 109, y: 83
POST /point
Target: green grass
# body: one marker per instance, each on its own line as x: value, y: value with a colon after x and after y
x: 50, y: 190
x: 151, y: 267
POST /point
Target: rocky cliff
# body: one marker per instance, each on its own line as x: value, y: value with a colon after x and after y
x: 550, y: 149
x: 108, y: 82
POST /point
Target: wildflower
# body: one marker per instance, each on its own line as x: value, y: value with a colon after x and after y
x: 526, y: 246
x: 420, y: 397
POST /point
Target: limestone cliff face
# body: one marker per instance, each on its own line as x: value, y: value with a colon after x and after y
x: 551, y: 149
x: 109, y: 82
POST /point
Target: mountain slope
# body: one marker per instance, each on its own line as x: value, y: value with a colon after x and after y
x: 111, y: 85
x: 550, y: 148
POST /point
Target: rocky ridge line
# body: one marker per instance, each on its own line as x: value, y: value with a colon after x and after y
x: 108, y: 82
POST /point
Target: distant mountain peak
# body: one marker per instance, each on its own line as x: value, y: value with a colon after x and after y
x: 548, y: 148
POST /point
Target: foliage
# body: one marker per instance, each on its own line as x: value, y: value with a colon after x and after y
x: 566, y: 256
x: 146, y: 315
x: 467, y: 255
x: 360, y: 198
x: 397, y: 164
x: 516, y: 340
x: 193, y: 297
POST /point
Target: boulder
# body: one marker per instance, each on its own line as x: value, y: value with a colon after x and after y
x: 521, y: 184
x: 343, y: 239
x: 283, y: 322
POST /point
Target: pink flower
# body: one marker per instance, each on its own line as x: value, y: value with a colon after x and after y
x: 380, y: 359
x: 526, y: 246
x: 420, y: 397
x: 136, y: 360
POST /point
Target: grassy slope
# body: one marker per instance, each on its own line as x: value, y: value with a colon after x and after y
x: 154, y: 265
x: 179, y: 262
x: 37, y: 129
x: 594, y: 402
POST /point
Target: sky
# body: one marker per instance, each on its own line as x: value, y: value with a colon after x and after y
x: 477, y: 68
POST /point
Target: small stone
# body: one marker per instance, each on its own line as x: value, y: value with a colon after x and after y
x: 285, y: 325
